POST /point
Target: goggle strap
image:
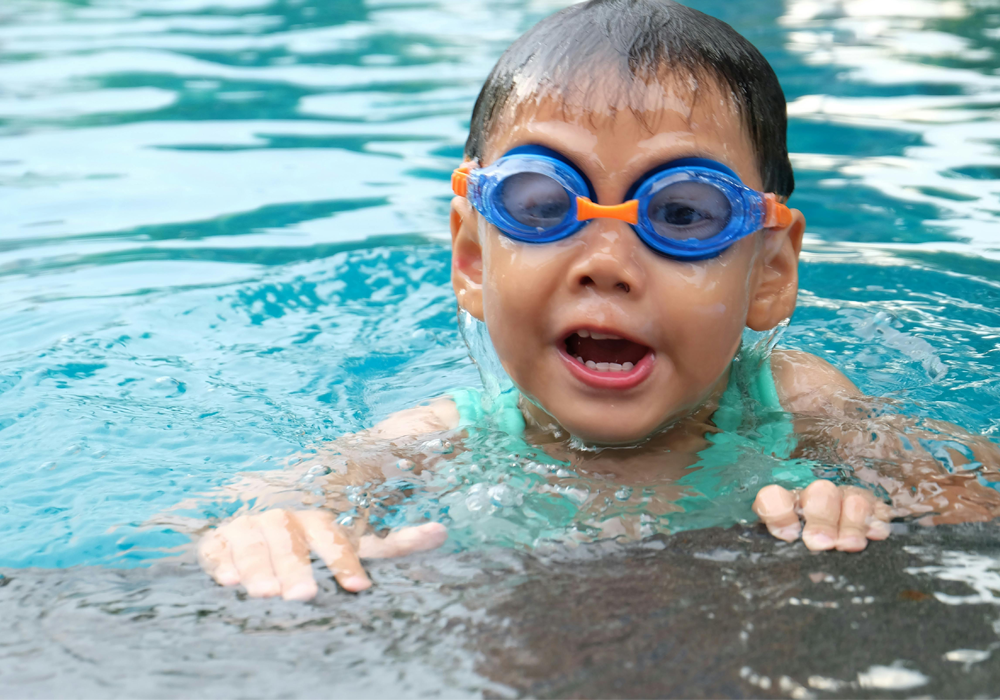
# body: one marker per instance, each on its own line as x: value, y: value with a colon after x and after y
x: 587, y: 210
x: 460, y: 180
x: 776, y: 214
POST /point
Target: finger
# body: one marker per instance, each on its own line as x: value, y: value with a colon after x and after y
x: 332, y: 546
x: 821, y: 510
x: 216, y: 559
x: 289, y: 554
x: 402, y: 542
x: 775, y: 506
x: 855, y: 515
x: 878, y: 523
x: 881, y: 511
x: 252, y: 558
x: 878, y: 530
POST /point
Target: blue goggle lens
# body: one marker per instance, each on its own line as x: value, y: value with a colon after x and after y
x: 535, y: 199
x: 689, y: 210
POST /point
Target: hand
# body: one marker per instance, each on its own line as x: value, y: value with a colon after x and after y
x: 842, y: 518
x: 269, y: 553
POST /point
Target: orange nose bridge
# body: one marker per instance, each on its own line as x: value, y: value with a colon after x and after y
x: 587, y: 210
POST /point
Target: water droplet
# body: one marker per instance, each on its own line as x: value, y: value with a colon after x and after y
x: 318, y: 470
x: 623, y: 493
x: 504, y: 496
x: 405, y: 465
x: 477, y: 498
x: 438, y: 446
x: 534, y: 468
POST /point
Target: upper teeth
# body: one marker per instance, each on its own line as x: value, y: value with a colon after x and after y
x: 584, y: 333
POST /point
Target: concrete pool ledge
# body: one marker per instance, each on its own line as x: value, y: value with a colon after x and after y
x: 710, y: 613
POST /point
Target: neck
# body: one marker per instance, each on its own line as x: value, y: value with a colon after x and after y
x: 676, y: 430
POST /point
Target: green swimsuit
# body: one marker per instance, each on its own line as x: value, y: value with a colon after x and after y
x: 752, y: 449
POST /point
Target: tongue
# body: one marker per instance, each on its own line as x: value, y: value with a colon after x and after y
x: 620, y: 351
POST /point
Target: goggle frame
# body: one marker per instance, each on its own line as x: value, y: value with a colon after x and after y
x: 751, y: 210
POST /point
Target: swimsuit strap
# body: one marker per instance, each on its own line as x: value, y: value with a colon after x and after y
x: 777, y: 434
x: 475, y: 408
x: 752, y: 422
x: 469, y: 404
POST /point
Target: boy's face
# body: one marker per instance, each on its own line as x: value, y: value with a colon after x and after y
x: 685, y: 318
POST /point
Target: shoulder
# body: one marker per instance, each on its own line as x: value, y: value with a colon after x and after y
x: 440, y: 414
x: 809, y: 384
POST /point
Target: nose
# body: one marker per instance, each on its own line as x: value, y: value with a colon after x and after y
x: 609, y: 261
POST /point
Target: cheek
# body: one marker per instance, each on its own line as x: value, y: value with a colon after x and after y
x: 504, y: 293
x: 518, y: 278
x: 513, y: 284
x: 723, y: 285
x: 708, y: 314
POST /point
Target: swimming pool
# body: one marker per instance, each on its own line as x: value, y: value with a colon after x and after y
x: 224, y: 240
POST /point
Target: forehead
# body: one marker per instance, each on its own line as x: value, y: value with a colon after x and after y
x: 620, y: 132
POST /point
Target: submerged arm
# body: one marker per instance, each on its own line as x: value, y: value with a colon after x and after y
x: 928, y: 468
x: 354, y: 459
x: 268, y: 550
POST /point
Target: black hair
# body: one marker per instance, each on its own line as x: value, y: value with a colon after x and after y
x: 643, y: 39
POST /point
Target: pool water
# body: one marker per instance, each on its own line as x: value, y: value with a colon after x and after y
x: 224, y: 235
x: 223, y: 238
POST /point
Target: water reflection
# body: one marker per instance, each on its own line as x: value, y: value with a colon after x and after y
x: 923, y: 72
x: 195, y: 121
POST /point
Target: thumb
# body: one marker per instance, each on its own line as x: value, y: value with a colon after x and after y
x: 401, y: 542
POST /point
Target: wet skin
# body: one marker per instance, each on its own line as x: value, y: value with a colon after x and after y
x: 690, y: 315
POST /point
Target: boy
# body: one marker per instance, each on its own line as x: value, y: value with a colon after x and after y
x: 619, y: 221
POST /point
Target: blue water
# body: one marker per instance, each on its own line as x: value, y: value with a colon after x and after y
x: 223, y: 232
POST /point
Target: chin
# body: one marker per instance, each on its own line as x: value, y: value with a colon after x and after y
x: 602, y: 434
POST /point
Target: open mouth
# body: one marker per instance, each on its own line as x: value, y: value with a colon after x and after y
x: 604, y: 352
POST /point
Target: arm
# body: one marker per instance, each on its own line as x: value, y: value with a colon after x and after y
x: 269, y: 552
x: 837, y: 423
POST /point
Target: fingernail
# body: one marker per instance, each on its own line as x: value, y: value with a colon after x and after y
x: 305, y: 590
x: 879, y: 529
x: 227, y: 579
x: 789, y: 533
x: 817, y: 540
x: 852, y: 543
x: 436, y: 536
x: 355, y: 583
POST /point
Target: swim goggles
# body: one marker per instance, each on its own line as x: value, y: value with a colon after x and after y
x: 690, y: 209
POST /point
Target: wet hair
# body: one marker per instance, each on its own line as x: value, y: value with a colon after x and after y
x: 624, y: 46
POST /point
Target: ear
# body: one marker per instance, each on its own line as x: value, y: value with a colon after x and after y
x: 466, y: 257
x: 773, y: 300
